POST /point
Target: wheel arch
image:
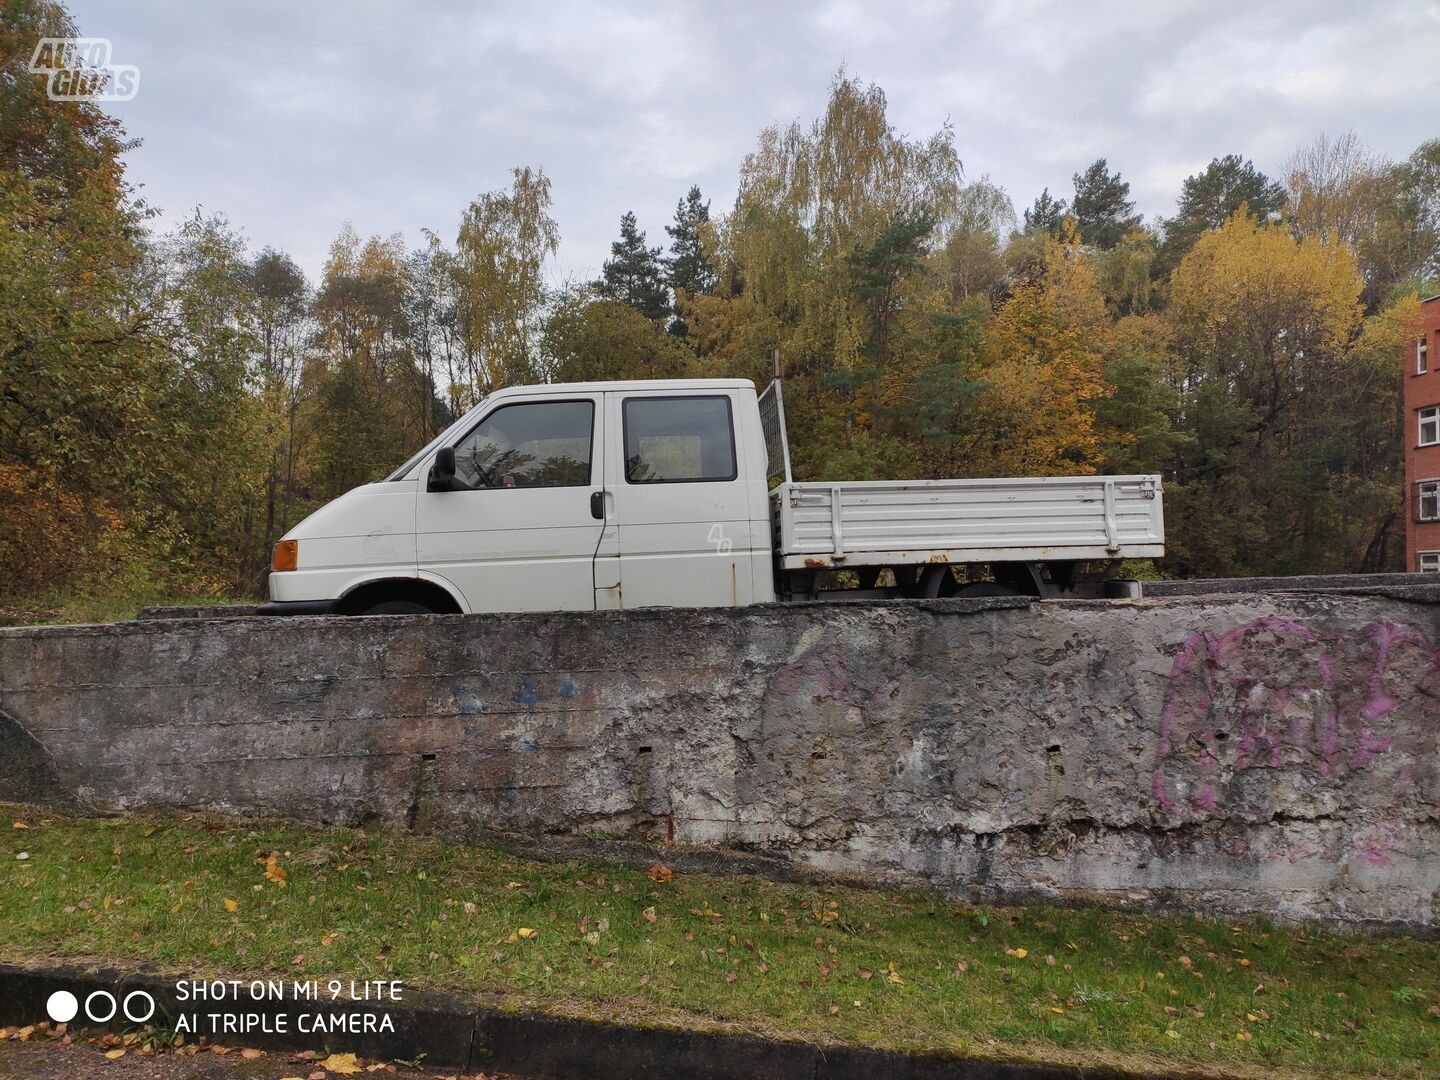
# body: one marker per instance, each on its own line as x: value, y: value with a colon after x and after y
x: 418, y: 589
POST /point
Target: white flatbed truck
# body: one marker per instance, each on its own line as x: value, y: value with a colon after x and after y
x: 679, y: 493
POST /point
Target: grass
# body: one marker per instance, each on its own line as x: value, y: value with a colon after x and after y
x: 69, y: 608
x: 902, y: 970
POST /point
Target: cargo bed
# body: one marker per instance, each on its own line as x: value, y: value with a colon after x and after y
x: 892, y: 523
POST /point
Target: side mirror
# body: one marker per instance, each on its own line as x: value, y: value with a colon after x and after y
x: 442, y: 473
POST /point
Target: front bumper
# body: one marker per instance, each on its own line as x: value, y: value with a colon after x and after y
x: 298, y: 607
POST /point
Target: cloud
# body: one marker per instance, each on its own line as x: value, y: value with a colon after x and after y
x: 293, y: 119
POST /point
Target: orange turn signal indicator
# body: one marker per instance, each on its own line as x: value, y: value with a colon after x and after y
x: 287, y: 553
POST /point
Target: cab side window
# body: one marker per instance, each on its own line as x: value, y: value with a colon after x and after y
x: 529, y: 445
x: 677, y: 440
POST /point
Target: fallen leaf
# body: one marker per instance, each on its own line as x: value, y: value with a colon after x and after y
x: 1020, y: 954
x: 251, y: 1054
x: 115, y: 1054
x: 526, y: 932
x: 19, y: 825
x: 893, y: 976
x: 274, y: 871
x: 648, y: 914
x: 232, y: 906
x: 344, y: 1064
x: 660, y: 872
x: 1057, y: 1010
x: 469, y: 907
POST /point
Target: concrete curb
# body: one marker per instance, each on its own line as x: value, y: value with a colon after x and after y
x: 450, y: 1033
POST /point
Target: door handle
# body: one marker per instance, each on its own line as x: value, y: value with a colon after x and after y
x: 597, y: 505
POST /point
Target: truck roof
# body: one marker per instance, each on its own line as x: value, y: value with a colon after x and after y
x: 624, y: 384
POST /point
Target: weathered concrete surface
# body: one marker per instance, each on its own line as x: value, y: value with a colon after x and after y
x: 1386, y: 584
x: 1275, y: 753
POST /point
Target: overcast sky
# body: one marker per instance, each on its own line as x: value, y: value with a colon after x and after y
x: 295, y: 118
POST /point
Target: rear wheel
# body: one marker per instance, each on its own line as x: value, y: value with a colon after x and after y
x: 398, y: 607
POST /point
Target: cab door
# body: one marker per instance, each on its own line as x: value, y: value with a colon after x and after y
x: 676, y: 502
x: 523, y: 538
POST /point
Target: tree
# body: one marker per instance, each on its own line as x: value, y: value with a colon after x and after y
x: 1210, y: 198
x: 1048, y: 344
x: 634, y: 273
x: 1045, y: 215
x: 972, y: 261
x: 688, y: 271
x: 282, y: 318
x: 1405, y: 248
x: 879, y: 272
x: 500, y: 252
x: 1334, y: 187
x: 82, y: 375
x: 1293, y: 465
x: 368, y: 406
x: 595, y: 340
x: 810, y: 197
x: 1102, y: 206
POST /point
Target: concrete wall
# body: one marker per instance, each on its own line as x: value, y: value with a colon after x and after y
x: 1276, y: 753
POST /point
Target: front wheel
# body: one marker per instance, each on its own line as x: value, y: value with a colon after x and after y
x: 398, y: 607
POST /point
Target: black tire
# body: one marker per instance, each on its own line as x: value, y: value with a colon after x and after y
x: 398, y: 607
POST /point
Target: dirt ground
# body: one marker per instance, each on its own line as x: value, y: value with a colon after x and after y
x: 55, y: 1060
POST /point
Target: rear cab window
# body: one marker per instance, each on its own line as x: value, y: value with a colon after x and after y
x: 679, y: 440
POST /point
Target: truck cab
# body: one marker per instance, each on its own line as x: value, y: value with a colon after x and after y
x: 549, y: 498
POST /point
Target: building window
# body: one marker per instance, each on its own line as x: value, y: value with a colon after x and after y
x: 1430, y: 562
x: 1430, y: 426
x: 1422, y: 357
x: 1427, y: 500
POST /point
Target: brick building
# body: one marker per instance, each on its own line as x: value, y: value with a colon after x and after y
x: 1422, y: 442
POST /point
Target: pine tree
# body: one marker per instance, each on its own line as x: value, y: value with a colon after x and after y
x: 1209, y: 199
x: 633, y: 274
x: 1046, y: 214
x: 687, y: 270
x: 1102, y: 206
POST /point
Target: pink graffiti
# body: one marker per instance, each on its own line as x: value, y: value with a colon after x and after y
x: 1273, y: 694
x: 821, y: 676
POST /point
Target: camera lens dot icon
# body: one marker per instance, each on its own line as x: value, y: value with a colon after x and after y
x: 62, y: 1006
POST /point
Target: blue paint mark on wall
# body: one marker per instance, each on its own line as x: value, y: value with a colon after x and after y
x: 569, y: 689
x: 527, y: 694
x: 466, y: 701
x: 529, y: 745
